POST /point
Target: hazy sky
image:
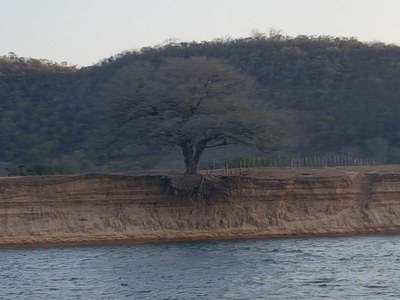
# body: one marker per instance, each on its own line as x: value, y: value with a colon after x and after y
x: 84, y: 31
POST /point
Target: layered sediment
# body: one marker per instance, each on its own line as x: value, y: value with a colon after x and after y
x: 259, y: 203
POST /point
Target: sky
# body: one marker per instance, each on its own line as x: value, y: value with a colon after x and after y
x: 82, y: 32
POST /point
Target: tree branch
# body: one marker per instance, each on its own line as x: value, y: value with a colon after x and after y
x: 218, y: 145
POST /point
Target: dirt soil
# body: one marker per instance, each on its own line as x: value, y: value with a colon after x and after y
x: 166, y: 206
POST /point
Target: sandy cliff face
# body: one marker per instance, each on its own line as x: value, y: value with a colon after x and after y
x: 90, y: 208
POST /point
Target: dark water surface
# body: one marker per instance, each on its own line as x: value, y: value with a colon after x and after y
x: 366, y: 267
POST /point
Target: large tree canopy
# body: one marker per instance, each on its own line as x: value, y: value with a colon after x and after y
x: 193, y: 103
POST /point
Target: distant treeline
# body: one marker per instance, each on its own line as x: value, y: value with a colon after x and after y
x: 344, y: 93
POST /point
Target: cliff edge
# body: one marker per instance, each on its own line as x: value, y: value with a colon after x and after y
x: 155, y: 207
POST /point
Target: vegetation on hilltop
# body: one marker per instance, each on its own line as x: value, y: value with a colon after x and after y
x: 344, y: 94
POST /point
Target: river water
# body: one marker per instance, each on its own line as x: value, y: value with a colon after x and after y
x: 366, y: 267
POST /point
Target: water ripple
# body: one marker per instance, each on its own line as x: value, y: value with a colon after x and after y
x: 332, y: 268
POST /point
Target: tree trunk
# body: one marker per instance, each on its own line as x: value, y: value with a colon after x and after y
x: 191, y: 167
x: 191, y: 155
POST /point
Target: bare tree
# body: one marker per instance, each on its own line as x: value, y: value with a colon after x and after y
x: 194, y: 103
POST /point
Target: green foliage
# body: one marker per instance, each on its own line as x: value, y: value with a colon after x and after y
x: 50, y: 111
x: 76, y: 162
x: 349, y: 86
x: 34, y: 169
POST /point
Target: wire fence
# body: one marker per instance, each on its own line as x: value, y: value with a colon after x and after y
x: 232, y: 167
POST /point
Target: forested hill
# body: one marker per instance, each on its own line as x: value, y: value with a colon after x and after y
x: 344, y: 93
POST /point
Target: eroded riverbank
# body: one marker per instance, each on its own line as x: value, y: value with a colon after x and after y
x: 98, y: 208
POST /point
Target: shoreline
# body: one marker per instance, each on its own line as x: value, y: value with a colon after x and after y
x: 152, y: 241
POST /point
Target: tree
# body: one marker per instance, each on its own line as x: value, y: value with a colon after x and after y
x: 194, y: 103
